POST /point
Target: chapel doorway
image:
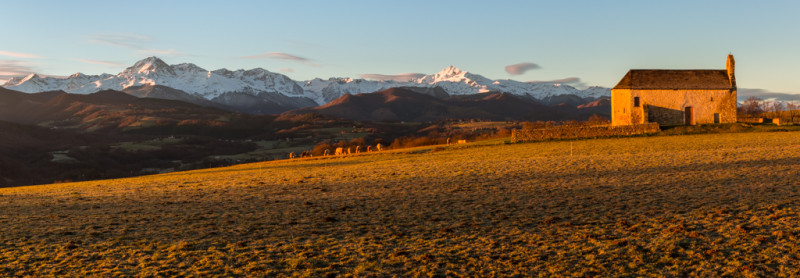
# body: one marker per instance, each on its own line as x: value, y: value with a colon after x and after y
x: 689, y: 114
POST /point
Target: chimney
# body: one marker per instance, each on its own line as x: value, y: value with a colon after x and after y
x: 729, y: 68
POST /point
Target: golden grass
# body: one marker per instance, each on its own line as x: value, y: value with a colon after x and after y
x: 700, y: 205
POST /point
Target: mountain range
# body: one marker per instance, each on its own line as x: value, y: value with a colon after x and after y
x: 417, y: 105
x: 155, y: 117
x: 259, y: 91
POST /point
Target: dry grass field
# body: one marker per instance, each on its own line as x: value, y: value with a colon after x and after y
x: 697, y: 205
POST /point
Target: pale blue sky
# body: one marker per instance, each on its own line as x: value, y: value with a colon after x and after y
x: 596, y: 41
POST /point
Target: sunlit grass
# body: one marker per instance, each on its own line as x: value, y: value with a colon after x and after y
x: 702, y: 205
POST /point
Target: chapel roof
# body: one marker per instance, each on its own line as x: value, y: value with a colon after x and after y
x: 655, y: 79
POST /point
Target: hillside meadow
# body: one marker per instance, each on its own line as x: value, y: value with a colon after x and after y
x: 699, y: 205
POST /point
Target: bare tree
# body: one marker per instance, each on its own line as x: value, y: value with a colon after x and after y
x: 792, y: 106
x: 597, y: 120
x: 752, y: 106
x: 777, y: 109
x: 766, y: 108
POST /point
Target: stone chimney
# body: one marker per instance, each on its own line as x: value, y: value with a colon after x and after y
x: 729, y: 68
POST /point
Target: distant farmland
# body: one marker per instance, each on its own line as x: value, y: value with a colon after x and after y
x: 701, y: 205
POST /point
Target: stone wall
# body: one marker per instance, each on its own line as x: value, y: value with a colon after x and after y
x: 776, y: 121
x: 752, y: 120
x: 667, y: 106
x: 573, y: 132
x: 621, y: 105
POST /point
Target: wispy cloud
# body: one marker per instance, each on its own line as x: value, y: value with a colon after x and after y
x: 403, y: 77
x: 287, y: 70
x: 96, y: 62
x: 19, y: 54
x: 138, y: 42
x: 278, y: 55
x: 13, y: 68
x: 160, y: 52
x: 568, y: 80
x: 572, y: 81
x: 521, y: 68
x: 282, y: 56
x: 744, y: 93
x: 126, y: 40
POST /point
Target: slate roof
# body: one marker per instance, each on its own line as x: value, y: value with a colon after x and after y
x: 675, y: 79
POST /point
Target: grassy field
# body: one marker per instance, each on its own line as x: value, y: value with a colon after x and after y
x: 700, y: 205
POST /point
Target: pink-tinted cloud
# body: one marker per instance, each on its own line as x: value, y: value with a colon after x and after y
x: 287, y: 70
x: 568, y: 80
x: 13, y: 68
x: 403, y: 77
x: 18, y: 54
x: 96, y: 62
x: 521, y: 68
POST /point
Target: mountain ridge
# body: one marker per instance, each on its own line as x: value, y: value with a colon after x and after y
x: 261, y: 91
x: 409, y: 104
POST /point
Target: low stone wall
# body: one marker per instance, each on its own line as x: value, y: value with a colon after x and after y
x: 573, y: 132
x: 751, y: 120
x: 776, y: 121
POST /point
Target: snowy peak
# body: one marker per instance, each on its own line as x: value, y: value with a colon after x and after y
x: 451, y: 74
x: 455, y: 75
x: 257, y: 72
x: 149, y: 65
x: 223, y: 72
x: 451, y: 71
x: 150, y: 61
x: 31, y: 78
x: 188, y: 67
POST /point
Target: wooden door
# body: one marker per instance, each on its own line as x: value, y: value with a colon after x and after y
x: 689, y: 114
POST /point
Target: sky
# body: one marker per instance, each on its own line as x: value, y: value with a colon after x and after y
x: 580, y: 43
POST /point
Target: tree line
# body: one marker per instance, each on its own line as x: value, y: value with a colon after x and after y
x: 755, y: 107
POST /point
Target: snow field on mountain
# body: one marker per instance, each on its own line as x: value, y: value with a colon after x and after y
x: 197, y: 81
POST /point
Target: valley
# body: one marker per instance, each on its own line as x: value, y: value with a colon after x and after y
x: 187, y: 117
x: 79, y: 129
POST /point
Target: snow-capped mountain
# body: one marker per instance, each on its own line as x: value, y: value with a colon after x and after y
x: 153, y: 71
x: 253, y: 91
x: 259, y: 87
x: 326, y: 90
x: 453, y: 80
